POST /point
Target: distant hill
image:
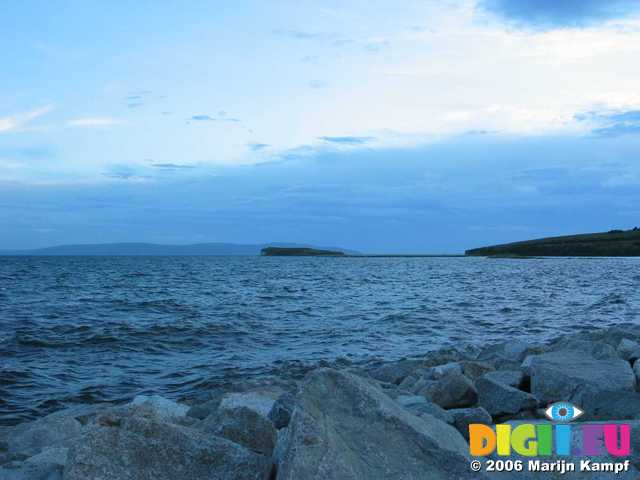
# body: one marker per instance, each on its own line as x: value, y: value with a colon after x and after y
x: 151, y: 249
x: 615, y: 243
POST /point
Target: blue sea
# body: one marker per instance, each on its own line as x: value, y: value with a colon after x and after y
x: 103, y: 329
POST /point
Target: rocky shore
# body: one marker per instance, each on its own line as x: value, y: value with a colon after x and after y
x: 406, y: 419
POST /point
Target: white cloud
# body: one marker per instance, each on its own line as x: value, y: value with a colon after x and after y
x: 14, y: 122
x: 89, y: 122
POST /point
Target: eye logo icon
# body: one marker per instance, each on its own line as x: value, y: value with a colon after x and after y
x: 563, y: 412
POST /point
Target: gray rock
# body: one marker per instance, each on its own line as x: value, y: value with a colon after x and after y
x: 608, y: 405
x: 282, y: 409
x: 418, y: 405
x: 59, y: 429
x: 46, y: 465
x: 344, y: 428
x: 511, y: 378
x: 259, y: 400
x: 203, y: 410
x: 508, y: 353
x: 476, y: 369
x: 137, y: 445
x: 628, y: 349
x: 394, y: 372
x: 165, y: 409
x: 499, y: 399
x: 243, y: 426
x: 636, y: 371
x: 560, y: 375
x: 463, y: 417
x: 451, y: 391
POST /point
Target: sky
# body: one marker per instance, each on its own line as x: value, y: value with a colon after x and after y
x: 379, y: 126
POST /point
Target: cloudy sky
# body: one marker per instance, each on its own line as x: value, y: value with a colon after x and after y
x: 381, y: 126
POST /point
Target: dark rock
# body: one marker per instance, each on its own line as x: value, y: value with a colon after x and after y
x: 463, y: 417
x: 203, y: 410
x: 282, y: 410
x: 511, y: 378
x: 344, y: 428
x: 499, y: 399
x: 628, y: 350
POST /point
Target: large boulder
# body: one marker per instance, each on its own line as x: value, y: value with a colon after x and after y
x: 499, y: 399
x: 60, y: 429
x: 560, y: 375
x: 136, y: 444
x: 243, y: 426
x: 345, y: 428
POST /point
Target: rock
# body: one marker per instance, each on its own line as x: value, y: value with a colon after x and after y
x: 463, y: 417
x: 46, y: 465
x: 608, y: 405
x: 441, y: 357
x: 344, y: 428
x: 499, y: 399
x: 628, y: 350
x: 243, y: 426
x: 560, y: 375
x: 636, y: 371
x: 259, y: 400
x: 418, y: 378
x: 59, y: 429
x: 475, y: 370
x: 418, y: 405
x: 282, y: 409
x: 394, y: 372
x: 137, y: 445
x: 508, y: 353
x: 511, y: 378
x: 451, y: 391
x: 203, y: 410
x: 163, y: 408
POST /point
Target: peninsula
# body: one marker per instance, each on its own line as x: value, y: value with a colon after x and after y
x: 299, y: 252
x: 614, y: 243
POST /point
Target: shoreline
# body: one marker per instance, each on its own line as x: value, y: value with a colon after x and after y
x: 268, y: 426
